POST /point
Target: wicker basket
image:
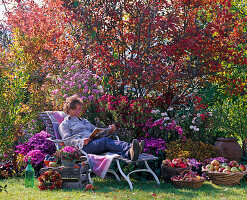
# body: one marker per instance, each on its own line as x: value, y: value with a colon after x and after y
x: 168, y: 172
x: 188, y: 184
x: 226, y: 179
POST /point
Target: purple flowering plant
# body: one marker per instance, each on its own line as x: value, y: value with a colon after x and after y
x: 194, y: 163
x: 68, y: 153
x: 37, y: 147
x: 37, y: 156
x: 219, y: 159
x: 153, y: 145
x: 74, y: 80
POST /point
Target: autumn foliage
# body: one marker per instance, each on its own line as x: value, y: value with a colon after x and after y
x: 146, y: 45
x: 159, y: 51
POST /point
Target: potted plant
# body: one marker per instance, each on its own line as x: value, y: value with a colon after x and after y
x: 68, y: 155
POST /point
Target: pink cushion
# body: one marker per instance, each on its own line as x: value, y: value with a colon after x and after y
x: 56, y: 117
x: 59, y: 116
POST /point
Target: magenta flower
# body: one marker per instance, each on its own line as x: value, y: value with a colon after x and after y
x: 68, y: 149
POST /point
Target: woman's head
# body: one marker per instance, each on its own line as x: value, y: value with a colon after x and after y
x: 73, y: 106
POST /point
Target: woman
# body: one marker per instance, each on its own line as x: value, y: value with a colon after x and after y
x: 73, y: 125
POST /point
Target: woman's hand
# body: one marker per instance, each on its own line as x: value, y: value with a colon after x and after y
x: 86, y: 141
x: 112, y: 128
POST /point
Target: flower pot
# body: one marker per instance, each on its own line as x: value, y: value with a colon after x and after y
x: 229, y: 148
x: 68, y: 163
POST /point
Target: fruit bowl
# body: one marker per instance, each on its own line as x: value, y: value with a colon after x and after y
x: 188, y: 184
x: 49, y: 159
x: 188, y: 179
x: 225, y: 178
x: 172, y: 168
x: 47, y: 162
x: 227, y: 174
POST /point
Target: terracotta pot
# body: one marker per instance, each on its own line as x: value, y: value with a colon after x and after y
x: 229, y: 148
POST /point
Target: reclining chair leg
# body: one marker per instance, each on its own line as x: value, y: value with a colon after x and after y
x: 89, y: 177
x: 114, y: 173
x: 126, y: 177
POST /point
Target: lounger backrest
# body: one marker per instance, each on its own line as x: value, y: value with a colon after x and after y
x: 52, y: 119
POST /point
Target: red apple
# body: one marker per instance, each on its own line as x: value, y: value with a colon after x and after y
x: 89, y: 187
x: 215, y: 163
x: 216, y: 167
x: 52, y: 164
x: 242, y: 168
x: 234, y: 169
x: 233, y: 163
x: 166, y: 162
x: 221, y: 169
x: 226, y: 171
x: 210, y: 167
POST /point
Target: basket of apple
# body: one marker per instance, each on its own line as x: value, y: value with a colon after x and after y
x: 170, y: 168
x: 227, y: 174
x: 50, y: 161
x: 188, y: 179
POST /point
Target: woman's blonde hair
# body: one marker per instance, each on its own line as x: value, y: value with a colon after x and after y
x: 71, y: 103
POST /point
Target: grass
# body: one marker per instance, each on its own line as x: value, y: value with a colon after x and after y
x: 111, y: 189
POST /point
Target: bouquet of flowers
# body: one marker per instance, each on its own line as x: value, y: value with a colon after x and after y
x: 68, y: 153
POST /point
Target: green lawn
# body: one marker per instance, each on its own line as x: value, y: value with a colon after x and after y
x: 111, y: 189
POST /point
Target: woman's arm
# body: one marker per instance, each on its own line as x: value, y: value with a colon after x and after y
x: 64, y: 131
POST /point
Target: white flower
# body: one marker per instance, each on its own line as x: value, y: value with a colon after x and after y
x: 166, y: 118
x: 164, y: 114
x: 187, y: 108
x: 193, y: 120
x: 155, y: 111
x: 191, y: 127
x: 170, y: 109
x: 210, y: 114
x: 194, y: 128
x: 198, y: 115
x: 183, y: 116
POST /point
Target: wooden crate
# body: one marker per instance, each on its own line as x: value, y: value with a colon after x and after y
x: 71, y: 177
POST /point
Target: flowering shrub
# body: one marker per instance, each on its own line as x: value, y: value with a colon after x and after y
x: 72, y: 80
x: 37, y: 142
x: 193, y: 116
x: 68, y: 153
x: 153, y: 145
x: 187, y: 118
x: 37, y: 147
x: 37, y: 156
x: 128, y: 114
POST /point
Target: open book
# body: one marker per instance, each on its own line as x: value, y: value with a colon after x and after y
x: 99, y: 132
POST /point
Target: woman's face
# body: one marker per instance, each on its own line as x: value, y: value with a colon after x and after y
x: 75, y: 112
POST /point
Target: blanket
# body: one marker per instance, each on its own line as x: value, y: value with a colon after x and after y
x: 100, y: 164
